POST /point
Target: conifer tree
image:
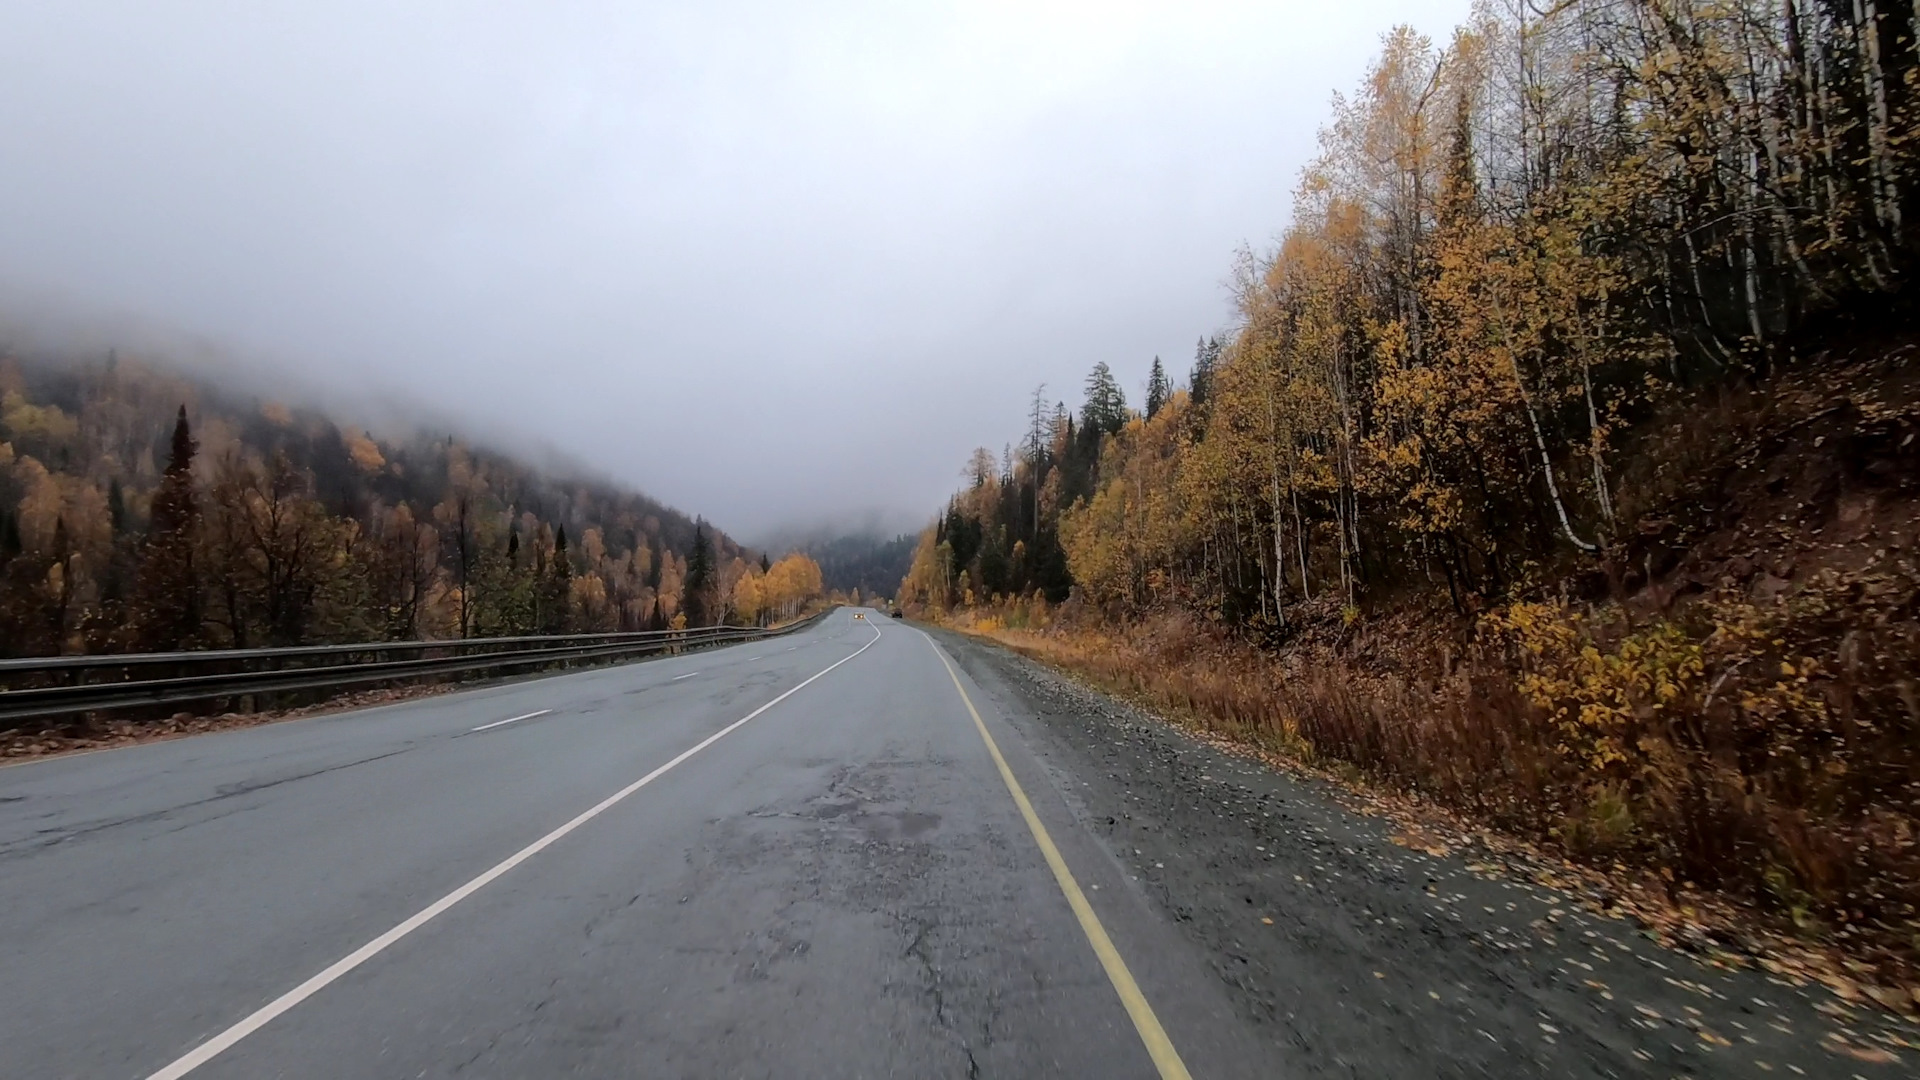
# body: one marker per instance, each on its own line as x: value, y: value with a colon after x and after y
x: 109, y: 620
x: 697, y: 589
x: 116, y: 507
x: 167, y: 605
x: 1106, y: 408
x: 1158, y: 390
x: 1200, y: 384
x: 556, y: 589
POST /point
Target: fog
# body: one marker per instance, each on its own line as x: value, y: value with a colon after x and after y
x: 779, y: 265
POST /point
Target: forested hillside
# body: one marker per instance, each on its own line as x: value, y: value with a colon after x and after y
x: 143, y: 508
x: 870, y: 563
x: 1560, y: 466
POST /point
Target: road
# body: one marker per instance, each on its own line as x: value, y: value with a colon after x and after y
x: 860, y: 851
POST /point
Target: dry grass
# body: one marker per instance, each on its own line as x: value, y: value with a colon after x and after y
x: 1765, y: 754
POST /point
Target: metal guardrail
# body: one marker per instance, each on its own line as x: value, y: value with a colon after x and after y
x: 42, y: 687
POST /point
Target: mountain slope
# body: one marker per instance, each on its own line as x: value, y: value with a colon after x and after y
x: 305, y: 528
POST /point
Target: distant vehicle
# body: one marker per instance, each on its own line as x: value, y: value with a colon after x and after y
x: 896, y: 613
x: 859, y: 615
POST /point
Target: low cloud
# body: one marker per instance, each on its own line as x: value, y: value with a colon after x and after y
x: 776, y: 265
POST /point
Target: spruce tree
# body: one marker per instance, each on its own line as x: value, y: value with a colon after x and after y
x: 698, y: 587
x: 1157, y: 389
x: 166, y: 609
x: 556, y: 601
x: 1206, y: 357
x: 116, y: 507
x: 120, y: 568
x: 1106, y: 409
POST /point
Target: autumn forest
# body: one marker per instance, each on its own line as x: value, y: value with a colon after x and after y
x: 1559, y: 465
x: 1559, y: 469
x: 144, y: 509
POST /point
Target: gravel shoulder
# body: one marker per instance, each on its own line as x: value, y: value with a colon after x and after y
x: 1356, y: 954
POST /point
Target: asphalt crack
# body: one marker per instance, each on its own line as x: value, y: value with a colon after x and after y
x: 43, y: 839
x: 919, y: 951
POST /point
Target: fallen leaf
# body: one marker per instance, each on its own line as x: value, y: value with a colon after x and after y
x: 1871, y: 1054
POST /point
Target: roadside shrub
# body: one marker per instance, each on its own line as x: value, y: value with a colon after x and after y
x: 1766, y: 748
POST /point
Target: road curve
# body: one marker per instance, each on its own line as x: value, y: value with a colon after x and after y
x: 842, y: 885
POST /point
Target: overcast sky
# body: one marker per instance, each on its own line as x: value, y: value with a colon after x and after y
x: 770, y: 263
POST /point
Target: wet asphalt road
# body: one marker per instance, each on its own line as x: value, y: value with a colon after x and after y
x: 841, y: 886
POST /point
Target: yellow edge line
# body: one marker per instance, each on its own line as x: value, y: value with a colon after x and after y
x: 1159, y: 1047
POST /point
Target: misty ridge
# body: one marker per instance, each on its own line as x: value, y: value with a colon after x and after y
x: 149, y: 502
x: 53, y: 329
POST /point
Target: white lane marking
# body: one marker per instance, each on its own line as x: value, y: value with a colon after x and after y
x: 513, y: 719
x: 264, y: 1015
x: 688, y: 675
